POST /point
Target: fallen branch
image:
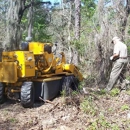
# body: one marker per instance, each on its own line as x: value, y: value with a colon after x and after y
x: 46, y: 101
x: 54, y: 107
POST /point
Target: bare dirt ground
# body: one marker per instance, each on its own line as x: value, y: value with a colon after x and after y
x: 93, y: 111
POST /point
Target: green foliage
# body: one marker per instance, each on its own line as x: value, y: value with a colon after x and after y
x: 90, y: 79
x: 100, y: 123
x: 81, y: 84
x: 128, y: 77
x: 103, y: 122
x: 41, y: 20
x: 114, y: 92
x: 115, y: 127
x: 102, y: 92
x: 75, y: 93
x: 127, y: 41
x: 24, y: 20
x: 110, y: 109
x: 124, y: 107
x: 13, y: 120
x: 40, y: 24
x: 93, y: 126
x: 128, y: 31
x: 87, y: 12
x: 87, y: 106
x: 63, y: 93
x: 79, y: 46
x: 88, y: 8
x: 128, y: 49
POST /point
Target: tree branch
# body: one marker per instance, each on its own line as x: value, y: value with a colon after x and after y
x: 36, y: 3
x: 29, y: 5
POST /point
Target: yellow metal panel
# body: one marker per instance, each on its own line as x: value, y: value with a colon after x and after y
x: 36, y: 48
x: 69, y: 67
x: 8, y: 56
x: 21, y: 60
x: 59, y: 69
x: 26, y: 63
x: 73, y: 69
x: 8, y: 72
x: 29, y: 69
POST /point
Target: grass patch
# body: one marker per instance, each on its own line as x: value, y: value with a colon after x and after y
x: 13, y: 120
x: 87, y: 106
x: 114, y: 92
x: 125, y: 107
x: 102, y: 92
x: 100, y: 124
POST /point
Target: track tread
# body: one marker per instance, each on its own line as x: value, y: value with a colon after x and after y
x: 27, y: 94
x: 2, y: 95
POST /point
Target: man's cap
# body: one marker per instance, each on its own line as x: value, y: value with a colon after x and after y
x: 115, y: 38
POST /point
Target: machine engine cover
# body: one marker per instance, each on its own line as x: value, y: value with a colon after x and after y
x: 8, y: 72
x: 25, y: 62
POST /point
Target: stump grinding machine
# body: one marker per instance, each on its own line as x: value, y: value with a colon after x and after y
x: 36, y: 73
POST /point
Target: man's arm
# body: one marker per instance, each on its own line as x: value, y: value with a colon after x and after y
x: 114, y: 56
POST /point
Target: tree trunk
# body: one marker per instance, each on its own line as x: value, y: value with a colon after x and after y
x: 15, y: 12
x: 30, y: 21
x: 125, y: 18
x: 77, y: 18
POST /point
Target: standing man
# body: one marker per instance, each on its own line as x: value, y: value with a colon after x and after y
x: 120, y: 58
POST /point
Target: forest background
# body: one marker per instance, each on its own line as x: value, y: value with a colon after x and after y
x: 83, y: 30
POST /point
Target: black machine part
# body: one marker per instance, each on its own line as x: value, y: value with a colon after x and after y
x: 2, y: 93
x: 24, y: 46
x: 47, y: 90
x: 27, y: 94
x: 70, y: 83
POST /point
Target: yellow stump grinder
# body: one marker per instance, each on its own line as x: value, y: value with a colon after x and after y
x: 36, y: 72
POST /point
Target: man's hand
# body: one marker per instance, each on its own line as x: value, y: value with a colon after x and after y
x: 111, y: 58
